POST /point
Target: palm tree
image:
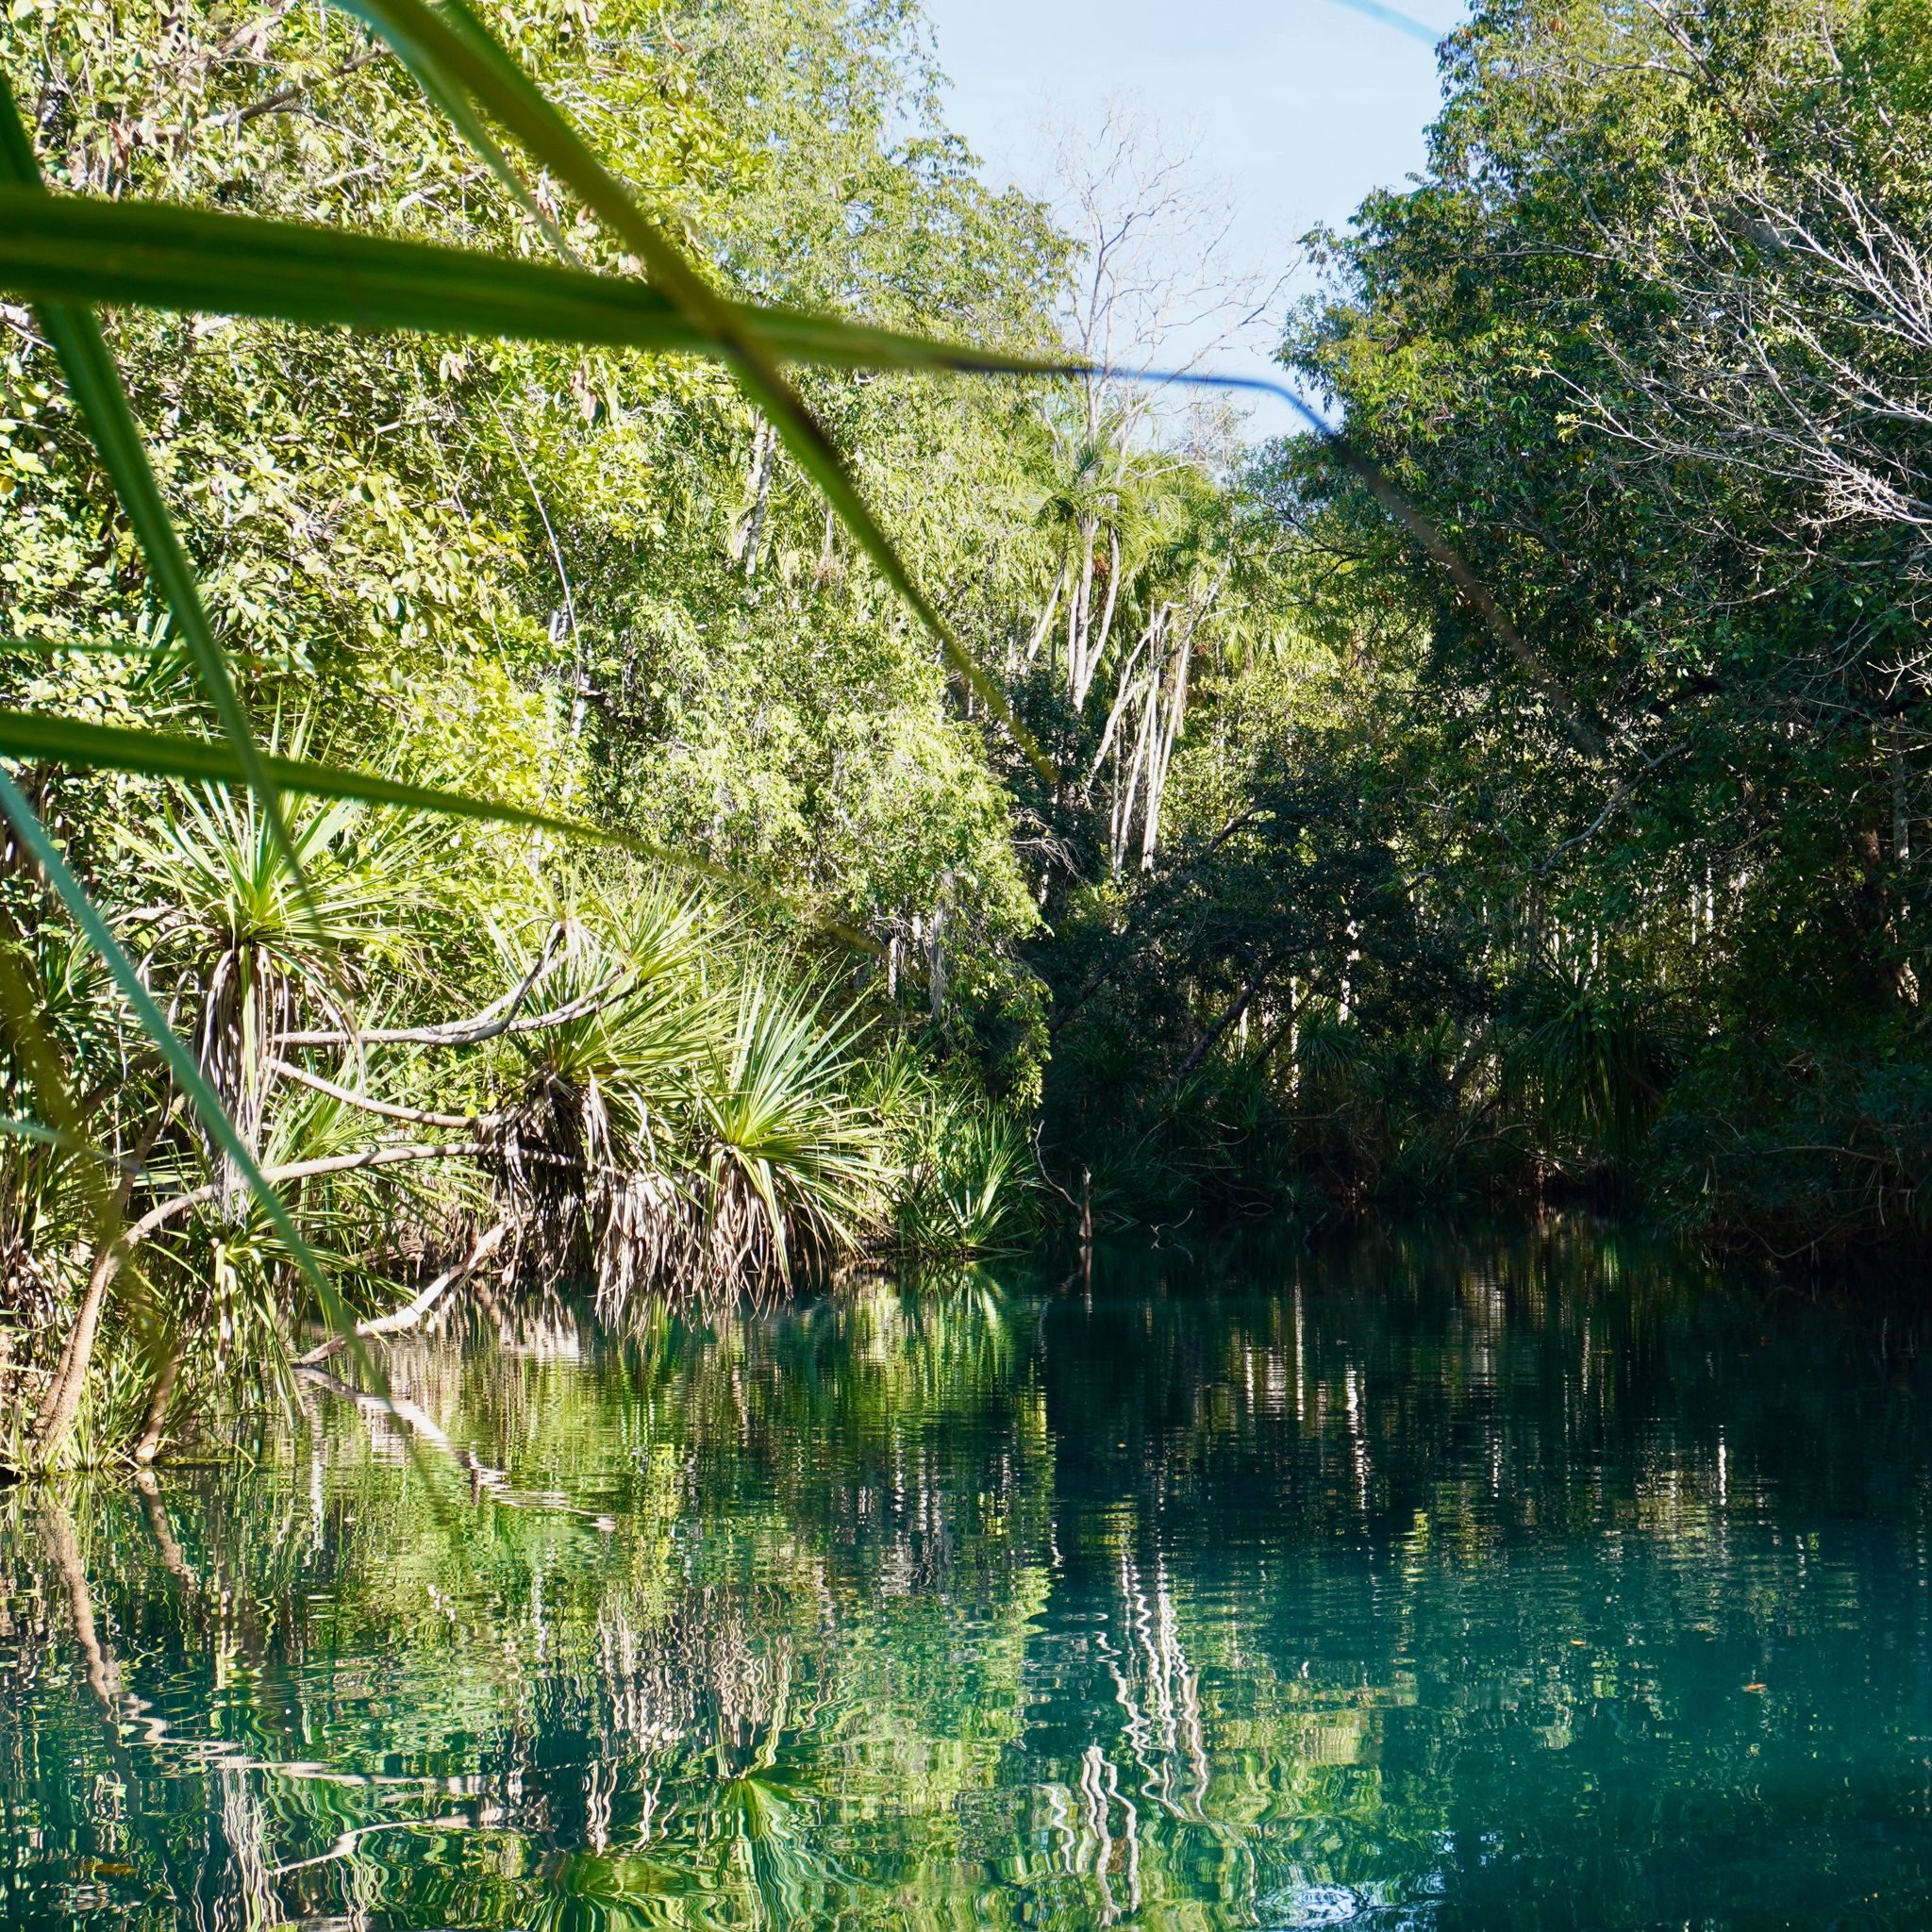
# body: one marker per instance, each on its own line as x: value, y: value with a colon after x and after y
x: 789, y: 1160
x: 243, y: 948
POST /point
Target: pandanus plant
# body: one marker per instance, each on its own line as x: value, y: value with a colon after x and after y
x: 669, y: 1134
x: 970, y: 1186
x: 1588, y: 1054
x: 790, y: 1164
x: 592, y: 1140
x: 240, y: 948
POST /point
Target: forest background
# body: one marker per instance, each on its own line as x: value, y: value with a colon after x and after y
x: 1520, y: 793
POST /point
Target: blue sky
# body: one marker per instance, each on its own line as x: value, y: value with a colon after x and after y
x: 1303, y: 105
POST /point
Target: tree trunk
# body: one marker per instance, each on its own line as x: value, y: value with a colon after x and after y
x: 745, y: 544
x: 1081, y: 616
x: 1157, y: 782
x: 1124, y: 695
x: 1205, y: 1046
x: 1045, y: 623
x: 149, y: 1446
x: 1143, y: 746
x: 62, y: 1408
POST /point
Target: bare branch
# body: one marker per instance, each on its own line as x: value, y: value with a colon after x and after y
x: 413, y: 1311
x: 416, y: 1116
x: 475, y: 1031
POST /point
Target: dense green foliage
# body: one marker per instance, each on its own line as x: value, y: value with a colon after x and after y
x: 1520, y: 790
x: 1621, y: 889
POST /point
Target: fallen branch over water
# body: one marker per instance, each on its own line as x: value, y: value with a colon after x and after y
x: 412, y: 1312
x: 63, y: 1399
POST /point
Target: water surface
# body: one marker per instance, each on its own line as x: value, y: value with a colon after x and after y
x: 1432, y: 1579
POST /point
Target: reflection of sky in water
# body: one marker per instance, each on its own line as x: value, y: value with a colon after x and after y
x: 1420, y: 1582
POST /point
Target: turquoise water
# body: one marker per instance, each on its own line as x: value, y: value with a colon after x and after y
x: 1428, y: 1580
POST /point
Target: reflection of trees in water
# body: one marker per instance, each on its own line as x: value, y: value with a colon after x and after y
x: 1147, y: 1603
x: 1503, y: 1386
x: 243, y: 1899
x: 602, y: 1691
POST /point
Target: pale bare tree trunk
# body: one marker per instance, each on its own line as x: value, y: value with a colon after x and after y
x: 1143, y: 748
x: 745, y: 540
x: 1157, y: 781
x: 1084, y: 666
x: 1124, y: 695
x: 1113, y: 593
x: 1077, y: 607
x: 1045, y: 623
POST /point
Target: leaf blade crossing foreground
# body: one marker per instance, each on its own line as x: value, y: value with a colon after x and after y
x: 74, y: 741
x: 169, y: 256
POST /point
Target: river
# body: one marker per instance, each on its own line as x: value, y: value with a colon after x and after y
x: 1432, y: 1577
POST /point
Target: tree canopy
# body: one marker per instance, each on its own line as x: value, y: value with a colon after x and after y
x: 1521, y: 788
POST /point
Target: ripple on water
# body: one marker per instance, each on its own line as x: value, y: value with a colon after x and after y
x: 1298, y: 1904
x: 1391, y: 1587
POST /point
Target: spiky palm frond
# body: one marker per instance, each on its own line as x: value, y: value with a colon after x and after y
x: 790, y: 1159
x: 243, y: 946
x: 1587, y: 1053
x: 1326, y: 1047
x: 967, y: 1189
x: 57, y: 990
x: 595, y: 1137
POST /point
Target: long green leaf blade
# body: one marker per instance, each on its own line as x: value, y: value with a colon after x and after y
x: 39, y: 735
x: 160, y: 255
